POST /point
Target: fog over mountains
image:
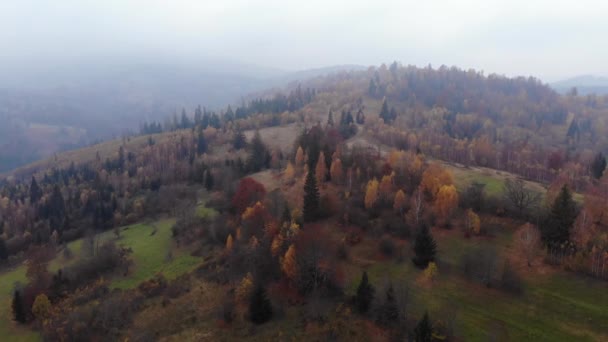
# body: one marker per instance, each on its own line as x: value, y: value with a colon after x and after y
x: 49, y: 109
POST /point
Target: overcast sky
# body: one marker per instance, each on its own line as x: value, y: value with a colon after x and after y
x: 549, y: 39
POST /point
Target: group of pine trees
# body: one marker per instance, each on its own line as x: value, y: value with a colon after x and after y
x: 388, y: 313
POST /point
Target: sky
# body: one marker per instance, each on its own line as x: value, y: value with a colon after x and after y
x: 548, y: 39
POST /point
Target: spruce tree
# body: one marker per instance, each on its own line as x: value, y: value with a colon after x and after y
x: 3, y: 250
x: 260, y: 308
x: 259, y: 157
x: 424, y: 330
x: 209, y: 181
x: 239, y: 140
x: 311, y: 197
x: 18, y: 308
x: 35, y: 191
x: 330, y: 119
x: 365, y: 294
x: 385, y: 113
x: 201, y: 144
x: 286, y: 214
x: 425, y: 247
x: 556, y: 228
x: 389, y: 311
x: 598, y: 165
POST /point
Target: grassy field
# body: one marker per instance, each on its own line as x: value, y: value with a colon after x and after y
x: 150, y: 243
x: 556, y: 306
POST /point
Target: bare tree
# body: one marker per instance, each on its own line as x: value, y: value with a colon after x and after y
x: 521, y: 198
x: 529, y: 241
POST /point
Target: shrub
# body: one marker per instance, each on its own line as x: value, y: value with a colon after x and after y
x: 387, y: 246
x: 510, y: 280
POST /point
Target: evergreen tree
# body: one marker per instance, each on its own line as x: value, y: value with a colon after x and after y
x: 385, y: 113
x: 185, y: 122
x: 56, y: 209
x: 330, y: 119
x: 424, y: 330
x: 556, y: 228
x: 18, y: 308
x: 311, y: 197
x: 198, y: 115
x: 214, y: 121
x: 229, y: 115
x: 365, y: 294
x: 209, y: 181
x: 360, y: 119
x: 286, y: 214
x: 3, y: 250
x: 201, y: 144
x: 372, y: 88
x: 598, y: 165
x: 35, y: 191
x: 388, y: 313
x: 205, y: 120
x: 425, y: 247
x: 259, y: 157
x: 239, y: 140
x: 260, y: 308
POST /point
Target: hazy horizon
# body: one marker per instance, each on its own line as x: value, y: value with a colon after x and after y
x: 547, y: 39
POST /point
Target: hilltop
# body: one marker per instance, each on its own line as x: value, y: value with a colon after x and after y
x: 343, y: 206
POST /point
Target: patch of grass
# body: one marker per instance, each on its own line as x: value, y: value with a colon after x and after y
x: 204, y: 212
x: 10, y: 331
x: 150, y: 244
x: 555, y: 307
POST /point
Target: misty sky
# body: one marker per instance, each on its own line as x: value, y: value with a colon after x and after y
x: 549, y: 39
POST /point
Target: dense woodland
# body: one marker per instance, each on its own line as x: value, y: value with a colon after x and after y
x: 271, y: 249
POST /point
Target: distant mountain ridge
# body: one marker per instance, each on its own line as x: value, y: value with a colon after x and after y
x: 585, y: 84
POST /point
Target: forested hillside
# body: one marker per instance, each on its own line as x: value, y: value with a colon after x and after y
x: 390, y: 203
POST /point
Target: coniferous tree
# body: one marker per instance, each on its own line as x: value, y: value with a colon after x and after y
x: 260, y: 308
x: 201, y: 144
x: 198, y: 115
x: 18, y: 307
x: 385, y: 113
x: 556, y: 228
x: 3, y: 250
x: 388, y: 313
x: 424, y: 330
x: 56, y: 209
x: 240, y: 141
x: 372, y: 88
x: 209, y: 181
x: 365, y: 294
x: 425, y: 247
x: 598, y: 165
x: 311, y: 197
x: 286, y: 214
x: 330, y: 119
x: 259, y: 157
x: 35, y: 191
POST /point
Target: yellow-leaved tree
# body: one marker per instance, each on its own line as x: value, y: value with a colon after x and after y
x: 336, y: 172
x: 299, y: 158
x: 289, y: 265
x: 399, y: 201
x: 229, y: 243
x: 433, y: 178
x: 41, y: 307
x: 290, y: 172
x: 446, y: 202
x: 386, y: 186
x: 243, y: 292
x: 473, y: 223
x: 371, y: 193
